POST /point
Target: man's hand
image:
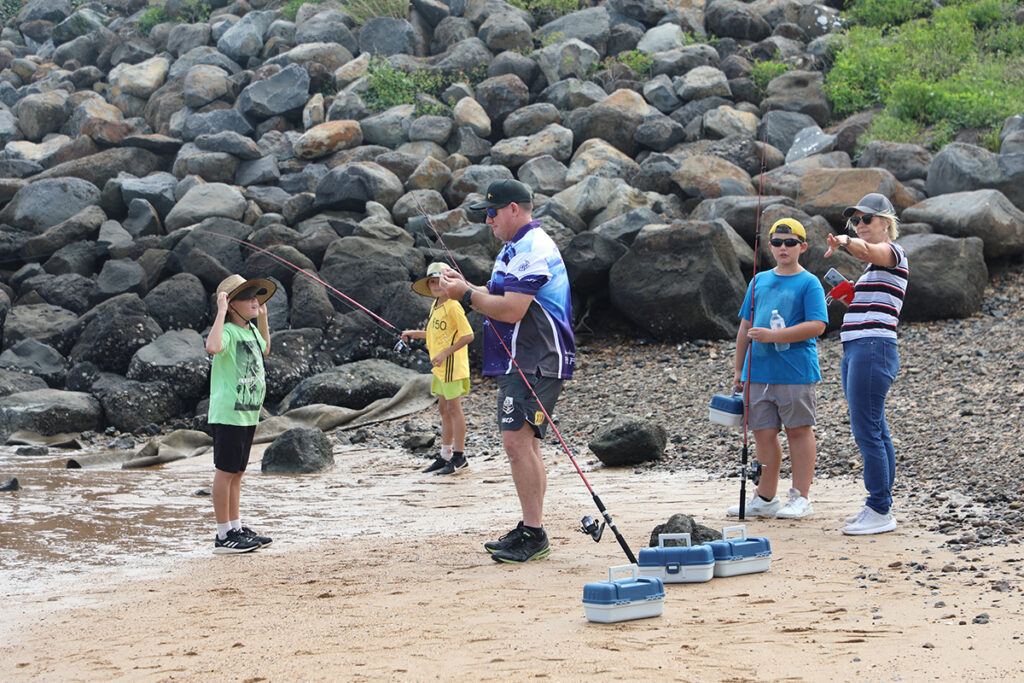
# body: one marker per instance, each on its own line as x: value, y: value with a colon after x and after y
x: 453, y: 284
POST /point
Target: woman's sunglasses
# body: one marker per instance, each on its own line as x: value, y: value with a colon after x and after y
x: 866, y: 218
x: 789, y: 242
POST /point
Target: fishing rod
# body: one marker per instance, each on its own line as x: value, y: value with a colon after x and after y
x: 379, y: 321
x: 588, y: 525
x: 753, y: 472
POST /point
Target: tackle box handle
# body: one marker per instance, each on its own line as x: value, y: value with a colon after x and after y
x: 742, y: 528
x: 622, y: 568
x: 673, y: 537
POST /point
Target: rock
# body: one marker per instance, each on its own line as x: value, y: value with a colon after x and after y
x: 284, y: 92
x: 903, y: 160
x: 553, y: 141
x: 798, y: 91
x: 244, y: 39
x: 702, y: 82
x: 387, y: 36
x: 35, y: 358
x: 389, y: 128
x: 810, y: 141
x: 43, y: 113
x: 84, y: 225
x: 298, y: 451
x: 111, y: 340
x: 118, y: 276
x: 348, y: 187
x: 684, y: 524
x: 327, y: 138
x: 156, y: 189
x: 131, y: 405
x: 214, y: 122
x: 13, y: 382
x: 960, y: 167
x: 353, y: 385
x: 588, y: 258
x: 100, y: 167
x: 179, y: 302
x: 294, y: 355
x: 732, y: 19
x: 49, y: 411
x: 947, y: 277
x: 591, y: 26
x: 565, y: 59
x: 204, y: 84
x: 139, y: 80
x: 704, y: 176
x: 544, y: 174
x: 46, y: 203
x: 829, y: 192
x: 205, y: 201
x: 48, y: 324
x: 11, y: 484
x: 177, y: 358
x: 987, y: 214
x: 680, y: 281
x: 629, y: 440
x: 506, y: 32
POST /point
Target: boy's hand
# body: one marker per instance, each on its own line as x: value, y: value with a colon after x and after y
x: 263, y: 310
x: 222, y: 302
x: 405, y: 335
x: 440, y: 358
x: 760, y: 334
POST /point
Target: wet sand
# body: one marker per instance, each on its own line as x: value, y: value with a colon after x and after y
x: 379, y: 573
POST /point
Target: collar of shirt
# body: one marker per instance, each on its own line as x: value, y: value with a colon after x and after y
x: 523, y: 230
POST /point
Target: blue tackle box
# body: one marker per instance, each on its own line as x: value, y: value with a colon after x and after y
x: 734, y: 556
x: 636, y: 597
x: 727, y: 409
x: 680, y: 564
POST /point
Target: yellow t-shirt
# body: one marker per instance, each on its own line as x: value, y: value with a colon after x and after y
x: 446, y: 325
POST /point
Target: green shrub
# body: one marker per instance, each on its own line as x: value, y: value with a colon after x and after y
x: 762, y: 73
x: 546, y: 10
x: 390, y: 87
x: 885, y: 126
x: 190, y: 12
x: 290, y: 9
x: 8, y: 10
x: 638, y: 61
x: 362, y: 11
x: 153, y: 15
x: 887, y: 12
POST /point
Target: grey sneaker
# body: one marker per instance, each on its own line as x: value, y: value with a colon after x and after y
x: 757, y: 507
x: 870, y: 522
x: 509, y: 539
x: 530, y: 547
x: 796, y: 507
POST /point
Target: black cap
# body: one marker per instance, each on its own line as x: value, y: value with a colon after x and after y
x: 871, y: 203
x: 503, y: 193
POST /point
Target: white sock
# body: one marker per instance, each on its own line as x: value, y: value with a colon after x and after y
x: 236, y: 524
x: 446, y: 452
x: 222, y: 531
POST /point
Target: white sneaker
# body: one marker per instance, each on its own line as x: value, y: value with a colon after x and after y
x: 853, y: 518
x: 796, y: 507
x: 756, y: 507
x: 870, y: 522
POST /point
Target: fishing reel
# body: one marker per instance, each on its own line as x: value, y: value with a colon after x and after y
x: 590, y: 526
x: 753, y: 472
x: 401, y: 347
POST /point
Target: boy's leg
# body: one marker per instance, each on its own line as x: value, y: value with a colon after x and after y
x: 802, y: 454
x: 769, y: 454
x: 221, y: 494
x: 235, y: 493
x: 444, y: 407
x: 457, y: 419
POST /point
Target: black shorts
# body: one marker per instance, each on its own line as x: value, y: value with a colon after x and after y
x: 517, y: 406
x: 231, y: 445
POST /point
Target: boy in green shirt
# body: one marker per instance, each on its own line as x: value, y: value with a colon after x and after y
x: 237, y: 388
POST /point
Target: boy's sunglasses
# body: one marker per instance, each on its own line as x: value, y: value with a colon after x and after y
x: 491, y: 213
x: 866, y: 218
x: 789, y: 242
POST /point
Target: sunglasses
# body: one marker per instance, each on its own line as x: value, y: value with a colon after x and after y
x: 790, y: 242
x: 491, y: 213
x: 856, y: 220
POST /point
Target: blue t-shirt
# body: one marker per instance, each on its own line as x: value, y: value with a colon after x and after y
x: 798, y: 298
x: 542, y: 342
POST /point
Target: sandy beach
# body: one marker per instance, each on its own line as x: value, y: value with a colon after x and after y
x: 414, y: 596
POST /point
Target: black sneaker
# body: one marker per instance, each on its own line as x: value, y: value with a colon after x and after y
x: 435, y: 466
x: 234, y: 542
x: 456, y: 464
x: 264, y: 541
x: 511, y: 538
x: 530, y: 547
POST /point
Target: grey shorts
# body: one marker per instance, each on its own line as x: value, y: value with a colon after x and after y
x: 517, y: 406
x: 774, y: 406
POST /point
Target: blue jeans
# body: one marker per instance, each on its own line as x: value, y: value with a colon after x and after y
x: 869, y: 368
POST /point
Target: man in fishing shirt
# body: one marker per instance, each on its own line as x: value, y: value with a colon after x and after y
x: 528, y: 329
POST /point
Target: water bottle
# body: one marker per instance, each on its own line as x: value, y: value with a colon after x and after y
x: 777, y: 323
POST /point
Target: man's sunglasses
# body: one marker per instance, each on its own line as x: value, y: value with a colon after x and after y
x: 491, y: 213
x: 866, y: 218
x: 789, y: 242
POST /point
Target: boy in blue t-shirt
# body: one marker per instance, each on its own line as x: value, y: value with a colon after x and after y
x: 783, y: 371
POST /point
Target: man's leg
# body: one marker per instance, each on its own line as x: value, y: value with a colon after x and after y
x: 528, y: 474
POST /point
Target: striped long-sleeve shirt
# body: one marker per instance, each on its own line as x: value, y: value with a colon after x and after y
x: 877, y: 300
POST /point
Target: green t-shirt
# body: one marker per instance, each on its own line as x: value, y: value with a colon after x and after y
x: 238, y: 383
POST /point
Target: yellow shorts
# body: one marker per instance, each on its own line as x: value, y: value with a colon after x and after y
x: 449, y: 390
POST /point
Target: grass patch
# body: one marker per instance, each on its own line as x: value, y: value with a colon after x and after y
x: 391, y: 87
x: 960, y: 68
x: 762, y: 73
x: 362, y: 11
x: 191, y: 12
x: 290, y: 9
x: 544, y: 11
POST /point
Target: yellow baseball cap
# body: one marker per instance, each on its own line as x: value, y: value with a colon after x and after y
x: 790, y: 225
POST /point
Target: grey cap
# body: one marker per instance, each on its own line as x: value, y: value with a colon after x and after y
x: 871, y: 203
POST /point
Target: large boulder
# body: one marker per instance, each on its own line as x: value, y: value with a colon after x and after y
x: 45, y: 203
x: 113, y: 332
x: 100, y: 167
x: 960, y: 167
x: 35, y: 358
x: 15, y: 382
x: 51, y: 325
x: 179, y: 302
x: 903, y: 160
x: 947, y: 277
x: 588, y: 258
x: 987, y: 214
x: 798, y: 91
x: 283, y: 93
x: 49, y: 411
x: 680, y: 281
x: 131, y: 405
x: 298, y: 451
x: 361, y: 266
x: 629, y: 440
x: 387, y: 36
x: 294, y: 355
x: 205, y: 201
x: 353, y: 385
x: 349, y: 186
x: 178, y: 358
x: 733, y: 19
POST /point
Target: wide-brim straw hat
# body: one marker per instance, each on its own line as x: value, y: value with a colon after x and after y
x: 236, y: 284
x: 433, y: 270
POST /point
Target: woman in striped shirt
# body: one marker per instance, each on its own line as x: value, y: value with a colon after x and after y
x: 870, y: 355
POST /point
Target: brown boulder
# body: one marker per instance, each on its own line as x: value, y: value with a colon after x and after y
x: 828, y: 191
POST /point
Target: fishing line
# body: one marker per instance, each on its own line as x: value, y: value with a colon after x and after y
x: 588, y: 525
x: 379, y: 321
x: 755, y: 471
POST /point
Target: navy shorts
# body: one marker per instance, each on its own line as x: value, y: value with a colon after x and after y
x: 517, y: 406
x: 231, y: 444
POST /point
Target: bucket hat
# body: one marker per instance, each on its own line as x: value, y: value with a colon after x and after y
x: 235, y: 285
x: 433, y: 270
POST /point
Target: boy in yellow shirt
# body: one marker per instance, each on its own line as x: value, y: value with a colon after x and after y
x: 447, y: 334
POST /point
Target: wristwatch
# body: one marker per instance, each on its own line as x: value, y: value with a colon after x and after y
x: 467, y: 298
